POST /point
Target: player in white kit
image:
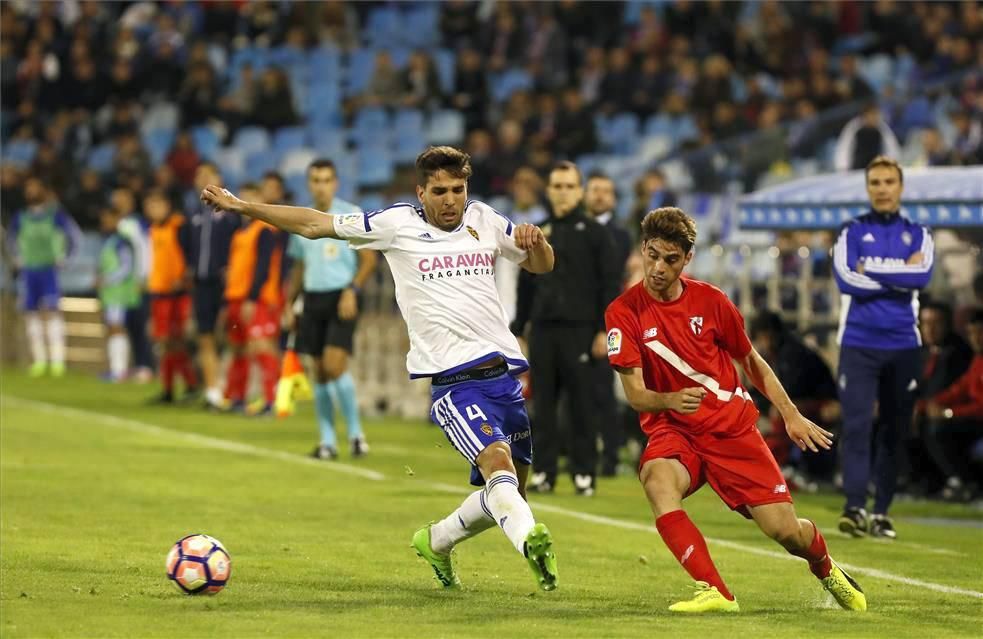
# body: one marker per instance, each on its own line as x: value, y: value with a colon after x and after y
x: 442, y: 257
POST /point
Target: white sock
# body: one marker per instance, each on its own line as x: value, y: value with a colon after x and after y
x: 509, y: 509
x: 35, y: 337
x: 118, y: 347
x: 468, y: 520
x: 56, y: 338
x: 214, y: 395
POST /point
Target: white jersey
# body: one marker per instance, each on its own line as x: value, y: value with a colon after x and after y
x: 445, y: 283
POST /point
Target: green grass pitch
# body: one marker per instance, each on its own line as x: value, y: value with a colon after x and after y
x: 95, y: 487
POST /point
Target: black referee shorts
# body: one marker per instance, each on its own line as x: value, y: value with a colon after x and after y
x: 319, y: 325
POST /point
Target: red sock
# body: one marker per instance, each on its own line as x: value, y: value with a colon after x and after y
x: 238, y: 378
x: 690, y: 549
x: 270, y: 370
x: 187, y: 370
x: 167, y: 372
x: 816, y: 555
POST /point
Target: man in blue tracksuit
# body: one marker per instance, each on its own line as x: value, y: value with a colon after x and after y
x: 880, y: 261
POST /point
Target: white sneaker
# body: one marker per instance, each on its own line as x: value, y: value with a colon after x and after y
x: 584, y: 485
x: 540, y: 483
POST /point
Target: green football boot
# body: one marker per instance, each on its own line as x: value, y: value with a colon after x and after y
x: 441, y: 563
x: 539, y: 553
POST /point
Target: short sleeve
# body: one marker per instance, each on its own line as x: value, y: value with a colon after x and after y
x: 731, y: 334
x: 370, y: 230
x: 295, y: 248
x: 504, y: 233
x: 623, y: 342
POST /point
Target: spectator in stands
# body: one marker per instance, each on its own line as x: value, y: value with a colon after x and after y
x: 124, y: 120
x: 87, y: 197
x: 508, y: 156
x: 527, y: 198
x: 651, y: 192
x: 131, y: 156
x: 274, y: 107
x: 198, y: 97
x: 850, y: 85
x: 934, y: 151
x: 470, y: 88
x: 502, y: 41
x: 765, y: 148
x: 123, y: 85
x: 183, y: 159
x: 458, y: 22
x: 577, y: 124
x: 956, y: 419
x: 421, y: 84
x: 53, y: 168
x: 651, y: 84
x: 166, y: 182
x: 864, y: 138
x: 543, y: 127
x: 968, y: 144
x: 618, y: 84
x: 260, y: 23
x: 334, y: 22
x: 385, y: 85
x: 236, y: 106
x: 591, y: 75
x: 546, y: 50
x: 480, y: 146
x: 809, y: 382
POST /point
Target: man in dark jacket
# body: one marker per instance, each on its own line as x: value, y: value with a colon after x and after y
x: 600, y: 199
x: 564, y: 311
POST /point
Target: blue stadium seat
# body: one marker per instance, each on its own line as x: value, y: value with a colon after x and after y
x: 297, y: 160
x: 445, y: 127
x: 917, y: 114
x: 361, y: 62
x: 407, y: 120
x: 163, y: 115
x: 375, y: 166
x: 371, y: 126
x: 288, y: 138
x: 418, y: 25
x: 877, y: 70
x: 251, y: 139
x: 329, y: 143
x: 324, y: 61
x: 297, y: 187
x: 322, y: 102
x: 505, y: 84
x: 407, y: 144
x: 232, y: 164
x: 101, y: 158
x: 158, y: 143
x: 373, y: 202
x: 206, y: 141
x: 383, y: 26
x: 258, y: 163
x: 445, y: 62
x: 286, y: 57
x: 20, y: 152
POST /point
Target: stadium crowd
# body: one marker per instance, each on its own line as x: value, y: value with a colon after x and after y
x: 121, y: 112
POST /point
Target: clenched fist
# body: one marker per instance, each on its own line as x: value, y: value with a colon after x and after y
x: 528, y: 236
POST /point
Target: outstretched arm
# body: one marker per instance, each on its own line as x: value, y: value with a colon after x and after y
x: 309, y: 223
x: 643, y: 400
x: 803, y: 432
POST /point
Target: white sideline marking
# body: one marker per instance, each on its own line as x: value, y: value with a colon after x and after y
x: 631, y: 525
x: 203, y: 441
x: 247, y: 449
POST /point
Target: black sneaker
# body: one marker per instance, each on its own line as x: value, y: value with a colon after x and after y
x: 540, y: 483
x: 853, y: 522
x: 163, y: 399
x: 360, y: 447
x: 325, y: 452
x: 882, y: 526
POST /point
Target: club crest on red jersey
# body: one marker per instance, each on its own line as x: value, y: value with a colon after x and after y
x: 696, y: 324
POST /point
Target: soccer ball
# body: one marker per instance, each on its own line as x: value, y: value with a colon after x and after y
x: 199, y: 565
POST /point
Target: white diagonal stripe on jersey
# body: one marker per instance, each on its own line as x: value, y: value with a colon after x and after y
x: 680, y: 365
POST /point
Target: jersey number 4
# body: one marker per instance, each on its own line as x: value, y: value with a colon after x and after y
x: 474, y: 412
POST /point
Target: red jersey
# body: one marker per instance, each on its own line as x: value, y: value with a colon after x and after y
x: 688, y: 342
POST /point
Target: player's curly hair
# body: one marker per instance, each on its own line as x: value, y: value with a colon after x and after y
x: 670, y: 224
x: 442, y: 158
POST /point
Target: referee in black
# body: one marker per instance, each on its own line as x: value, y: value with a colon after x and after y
x: 564, y: 313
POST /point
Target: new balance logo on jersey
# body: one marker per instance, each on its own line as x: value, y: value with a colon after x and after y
x: 650, y: 333
x: 696, y: 324
x: 868, y: 237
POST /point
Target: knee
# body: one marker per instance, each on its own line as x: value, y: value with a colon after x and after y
x: 496, y: 457
x: 786, y: 532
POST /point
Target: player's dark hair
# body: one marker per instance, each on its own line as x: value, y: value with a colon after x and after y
x: 567, y: 165
x: 766, y: 322
x: 321, y: 163
x: 670, y: 224
x: 944, y: 309
x: 442, y: 158
x: 883, y: 160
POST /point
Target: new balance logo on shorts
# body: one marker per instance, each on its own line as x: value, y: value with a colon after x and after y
x: 780, y: 488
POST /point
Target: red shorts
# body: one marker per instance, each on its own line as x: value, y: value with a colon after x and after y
x: 739, y: 468
x: 169, y: 316
x: 265, y: 323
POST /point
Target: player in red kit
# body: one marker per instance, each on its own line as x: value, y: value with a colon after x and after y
x: 672, y: 340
